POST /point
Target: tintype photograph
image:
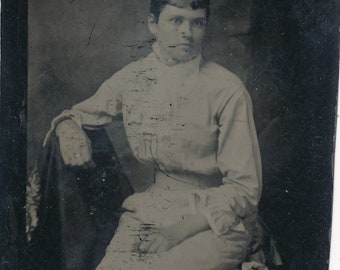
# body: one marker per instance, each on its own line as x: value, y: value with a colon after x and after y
x: 168, y: 134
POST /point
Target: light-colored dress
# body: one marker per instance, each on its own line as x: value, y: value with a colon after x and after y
x: 193, y: 122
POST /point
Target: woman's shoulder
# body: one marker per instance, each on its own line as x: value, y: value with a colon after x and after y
x: 222, y: 79
x: 139, y: 66
x: 130, y: 70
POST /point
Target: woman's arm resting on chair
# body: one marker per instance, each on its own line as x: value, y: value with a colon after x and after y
x: 93, y: 113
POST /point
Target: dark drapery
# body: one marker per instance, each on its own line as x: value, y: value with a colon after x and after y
x: 73, y: 212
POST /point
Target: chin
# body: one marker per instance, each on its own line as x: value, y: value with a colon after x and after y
x: 184, y: 54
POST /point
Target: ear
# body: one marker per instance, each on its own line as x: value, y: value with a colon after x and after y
x: 152, y: 24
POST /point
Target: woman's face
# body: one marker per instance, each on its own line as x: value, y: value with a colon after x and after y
x: 179, y: 31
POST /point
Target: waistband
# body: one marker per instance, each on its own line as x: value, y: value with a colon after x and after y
x: 185, y: 181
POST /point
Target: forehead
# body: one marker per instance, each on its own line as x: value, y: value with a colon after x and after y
x: 186, y: 11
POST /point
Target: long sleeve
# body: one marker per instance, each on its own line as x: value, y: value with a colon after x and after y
x: 239, y: 162
x: 98, y: 110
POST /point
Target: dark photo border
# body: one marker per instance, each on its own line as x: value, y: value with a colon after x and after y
x: 13, y: 133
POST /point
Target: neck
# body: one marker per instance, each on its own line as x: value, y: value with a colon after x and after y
x: 170, y: 60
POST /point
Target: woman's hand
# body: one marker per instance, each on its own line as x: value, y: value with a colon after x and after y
x: 164, y: 239
x: 75, y: 146
x: 161, y: 240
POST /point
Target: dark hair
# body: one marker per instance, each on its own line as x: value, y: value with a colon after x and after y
x: 156, y: 6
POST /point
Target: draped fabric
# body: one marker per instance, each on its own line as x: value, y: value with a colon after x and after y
x: 72, y: 213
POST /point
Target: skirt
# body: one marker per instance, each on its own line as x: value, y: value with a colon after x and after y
x: 158, y: 207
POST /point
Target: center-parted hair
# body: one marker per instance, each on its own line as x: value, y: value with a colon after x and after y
x: 156, y: 6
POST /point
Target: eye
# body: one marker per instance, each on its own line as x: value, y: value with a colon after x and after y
x: 177, y: 20
x: 200, y: 22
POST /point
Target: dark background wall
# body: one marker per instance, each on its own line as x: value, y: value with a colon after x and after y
x: 285, y: 52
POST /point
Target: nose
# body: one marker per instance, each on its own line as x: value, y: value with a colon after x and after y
x: 185, y: 29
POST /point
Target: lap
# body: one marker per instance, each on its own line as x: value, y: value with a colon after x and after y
x: 204, y: 251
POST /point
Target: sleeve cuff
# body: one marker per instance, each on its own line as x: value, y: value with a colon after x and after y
x: 220, y: 220
x: 67, y: 114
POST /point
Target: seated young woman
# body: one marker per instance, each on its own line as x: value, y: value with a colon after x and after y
x: 192, y: 120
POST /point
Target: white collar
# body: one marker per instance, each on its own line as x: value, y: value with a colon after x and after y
x: 193, y: 63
